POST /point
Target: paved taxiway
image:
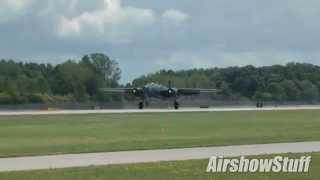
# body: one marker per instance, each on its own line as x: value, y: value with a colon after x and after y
x: 123, y: 111
x: 110, y: 158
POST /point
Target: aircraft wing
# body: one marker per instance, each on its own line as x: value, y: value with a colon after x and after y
x: 117, y: 90
x: 195, y: 91
x: 134, y: 91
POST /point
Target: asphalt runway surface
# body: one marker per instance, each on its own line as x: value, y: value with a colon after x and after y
x: 123, y: 111
x: 128, y: 157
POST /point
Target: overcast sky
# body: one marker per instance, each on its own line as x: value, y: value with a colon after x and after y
x: 144, y: 35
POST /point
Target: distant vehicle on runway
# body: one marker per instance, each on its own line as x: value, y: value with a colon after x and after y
x: 154, y: 90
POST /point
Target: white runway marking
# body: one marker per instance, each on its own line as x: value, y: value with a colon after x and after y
x: 123, y: 111
x: 95, y: 159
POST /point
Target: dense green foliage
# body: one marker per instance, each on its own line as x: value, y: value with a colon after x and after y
x: 292, y: 82
x: 69, y: 81
x: 61, y: 134
x: 81, y: 80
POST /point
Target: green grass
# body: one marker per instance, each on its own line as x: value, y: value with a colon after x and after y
x: 57, y: 134
x: 179, y: 170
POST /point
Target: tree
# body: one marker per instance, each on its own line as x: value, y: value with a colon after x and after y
x: 310, y: 92
x: 103, y: 65
x: 104, y: 72
x: 292, y: 91
x: 277, y: 91
x: 71, y: 78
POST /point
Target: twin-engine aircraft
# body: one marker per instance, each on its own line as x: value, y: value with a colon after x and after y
x: 154, y: 90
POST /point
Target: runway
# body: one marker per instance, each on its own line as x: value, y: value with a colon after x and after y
x: 112, y: 158
x: 123, y: 111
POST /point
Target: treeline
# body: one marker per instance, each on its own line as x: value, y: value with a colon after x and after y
x: 292, y: 82
x: 80, y: 80
x: 70, y: 81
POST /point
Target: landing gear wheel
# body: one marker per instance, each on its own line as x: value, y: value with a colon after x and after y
x: 260, y: 104
x: 176, y: 105
x: 140, y: 105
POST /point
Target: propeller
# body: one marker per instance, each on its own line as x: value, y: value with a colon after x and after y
x: 171, y: 91
x: 137, y: 91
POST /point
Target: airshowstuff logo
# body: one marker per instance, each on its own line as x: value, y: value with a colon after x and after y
x: 242, y: 164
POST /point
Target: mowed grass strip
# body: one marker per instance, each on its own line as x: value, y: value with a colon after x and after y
x: 59, y: 134
x: 177, y: 170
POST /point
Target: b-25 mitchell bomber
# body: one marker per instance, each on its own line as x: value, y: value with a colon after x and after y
x: 154, y: 90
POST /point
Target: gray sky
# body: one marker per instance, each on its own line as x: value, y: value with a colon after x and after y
x: 145, y: 36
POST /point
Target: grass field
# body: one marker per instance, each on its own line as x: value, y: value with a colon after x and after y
x: 57, y: 134
x: 180, y: 170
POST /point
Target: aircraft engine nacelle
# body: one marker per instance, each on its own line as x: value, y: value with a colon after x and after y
x: 137, y: 92
x: 169, y: 93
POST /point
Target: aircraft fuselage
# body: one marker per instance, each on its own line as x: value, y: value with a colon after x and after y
x: 153, y: 90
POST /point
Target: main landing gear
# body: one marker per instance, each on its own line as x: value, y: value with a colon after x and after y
x: 176, y: 105
x: 260, y: 104
x: 142, y: 104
